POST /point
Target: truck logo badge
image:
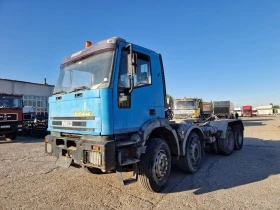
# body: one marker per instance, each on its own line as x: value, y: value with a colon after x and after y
x: 83, y: 114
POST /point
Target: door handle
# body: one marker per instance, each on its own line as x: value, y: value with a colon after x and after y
x: 152, y: 112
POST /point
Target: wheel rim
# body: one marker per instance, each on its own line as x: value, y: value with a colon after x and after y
x: 195, y: 151
x: 160, y: 165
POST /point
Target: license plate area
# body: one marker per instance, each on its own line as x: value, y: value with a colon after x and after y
x: 67, y: 123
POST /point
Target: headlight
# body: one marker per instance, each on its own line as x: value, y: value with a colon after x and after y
x: 95, y: 158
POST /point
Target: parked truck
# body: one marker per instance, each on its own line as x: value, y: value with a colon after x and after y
x: 34, y: 124
x: 207, y: 109
x: 10, y: 115
x: 238, y: 111
x: 254, y: 112
x: 185, y: 108
x: 107, y: 114
x: 223, y: 109
x: 247, y: 111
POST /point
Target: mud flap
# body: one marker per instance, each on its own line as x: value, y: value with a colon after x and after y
x: 131, y: 180
x: 63, y: 161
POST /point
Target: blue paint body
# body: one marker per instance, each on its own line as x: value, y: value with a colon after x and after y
x: 103, y: 103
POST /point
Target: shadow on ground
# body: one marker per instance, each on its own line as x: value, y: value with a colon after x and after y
x: 23, y: 139
x: 258, y: 160
x: 255, y: 122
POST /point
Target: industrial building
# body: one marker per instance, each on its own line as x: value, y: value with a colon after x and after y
x: 264, y: 110
x: 34, y: 94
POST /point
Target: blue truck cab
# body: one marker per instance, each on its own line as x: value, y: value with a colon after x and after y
x: 107, y: 113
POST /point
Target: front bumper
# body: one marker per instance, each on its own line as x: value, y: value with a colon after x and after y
x: 10, y: 127
x: 98, y: 152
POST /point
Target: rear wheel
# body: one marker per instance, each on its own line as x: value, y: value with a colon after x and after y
x: 238, y: 138
x: 226, y: 146
x: 191, y: 162
x: 214, y: 147
x: 155, y: 165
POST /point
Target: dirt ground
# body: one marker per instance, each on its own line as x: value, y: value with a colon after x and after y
x: 248, y: 179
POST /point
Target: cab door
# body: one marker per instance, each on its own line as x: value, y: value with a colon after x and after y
x: 134, y: 104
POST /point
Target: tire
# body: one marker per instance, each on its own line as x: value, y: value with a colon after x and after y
x: 191, y: 162
x: 238, y: 138
x: 93, y: 170
x: 214, y: 147
x: 12, y: 136
x: 155, y: 165
x: 226, y: 146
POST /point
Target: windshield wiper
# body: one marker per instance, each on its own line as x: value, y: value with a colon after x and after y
x: 58, y: 92
x: 79, y: 88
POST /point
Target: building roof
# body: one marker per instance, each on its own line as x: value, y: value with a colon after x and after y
x: 10, y: 80
x: 264, y: 107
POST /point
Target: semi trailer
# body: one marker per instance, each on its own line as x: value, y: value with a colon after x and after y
x: 247, y: 111
x: 223, y: 109
x: 207, y: 109
x: 107, y: 114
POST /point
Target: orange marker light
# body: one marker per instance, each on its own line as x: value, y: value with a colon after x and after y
x: 96, y: 148
x: 88, y: 44
x: 46, y: 140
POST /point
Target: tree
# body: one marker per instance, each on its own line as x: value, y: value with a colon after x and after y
x: 274, y: 106
x: 169, y: 100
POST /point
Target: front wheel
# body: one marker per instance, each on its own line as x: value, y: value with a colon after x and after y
x: 155, y: 165
x: 191, y: 162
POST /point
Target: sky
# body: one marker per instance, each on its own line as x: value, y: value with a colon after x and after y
x: 215, y: 50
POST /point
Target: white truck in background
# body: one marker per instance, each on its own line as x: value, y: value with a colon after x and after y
x: 238, y: 111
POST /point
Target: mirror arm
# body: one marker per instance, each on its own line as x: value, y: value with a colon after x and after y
x: 131, y: 83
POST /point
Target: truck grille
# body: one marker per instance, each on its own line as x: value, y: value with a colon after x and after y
x: 73, y: 118
x: 7, y: 117
x: 73, y: 128
x: 73, y: 123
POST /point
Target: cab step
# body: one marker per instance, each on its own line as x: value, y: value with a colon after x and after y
x: 130, y: 180
x: 129, y: 161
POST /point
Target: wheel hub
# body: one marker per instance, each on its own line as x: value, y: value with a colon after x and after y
x: 194, y: 152
x: 161, y: 164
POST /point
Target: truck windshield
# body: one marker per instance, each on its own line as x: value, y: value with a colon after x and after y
x: 10, y: 102
x: 184, y: 105
x: 92, y: 72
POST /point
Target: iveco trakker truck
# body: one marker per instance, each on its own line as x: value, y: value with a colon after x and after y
x: 107, y: 114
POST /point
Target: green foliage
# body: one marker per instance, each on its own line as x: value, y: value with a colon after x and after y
x: 274, y: 106
x: 169, y: 100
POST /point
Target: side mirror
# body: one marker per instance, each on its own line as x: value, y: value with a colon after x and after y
x: 131, y: 60
x: 131, y: 63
